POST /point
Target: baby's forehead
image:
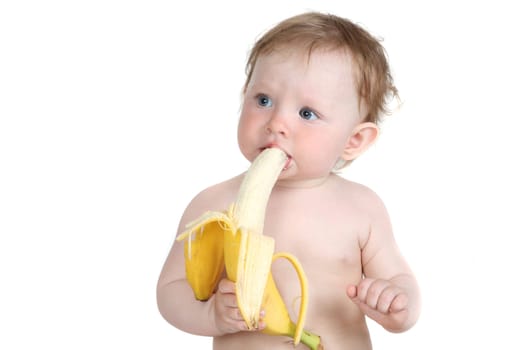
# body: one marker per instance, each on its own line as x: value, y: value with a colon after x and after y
x: 327, y: 74
x: 304, y: 56
x: 305, y: 49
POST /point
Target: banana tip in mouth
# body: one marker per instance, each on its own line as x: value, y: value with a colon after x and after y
x: 288, y: 157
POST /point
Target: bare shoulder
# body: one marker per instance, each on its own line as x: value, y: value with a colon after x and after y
x: 359, y: 195
x: 217, y: 197
x: 365, y: 208
x: 379, y: 253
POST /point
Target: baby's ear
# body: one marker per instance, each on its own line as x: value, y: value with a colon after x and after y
x: 362, y: 137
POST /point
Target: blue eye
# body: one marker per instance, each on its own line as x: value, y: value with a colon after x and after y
x: 264, y: 101
x: 308, y: 114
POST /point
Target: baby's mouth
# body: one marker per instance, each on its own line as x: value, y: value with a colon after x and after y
x: 288, y: 162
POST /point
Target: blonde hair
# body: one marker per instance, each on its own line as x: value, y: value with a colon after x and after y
x: 311, y: 31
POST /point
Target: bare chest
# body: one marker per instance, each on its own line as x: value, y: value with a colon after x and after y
x: 317, y: 228
x: 325, y: 236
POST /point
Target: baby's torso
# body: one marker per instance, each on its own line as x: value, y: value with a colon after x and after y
x: 324, y: 229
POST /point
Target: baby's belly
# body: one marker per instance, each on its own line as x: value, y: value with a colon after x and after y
x: 331, y: 315
x: 254, y: 341
x: 333, y: 337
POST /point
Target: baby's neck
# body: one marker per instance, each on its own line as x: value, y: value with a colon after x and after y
x: 302, y: 184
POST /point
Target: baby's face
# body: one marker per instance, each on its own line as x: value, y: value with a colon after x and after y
x: 307, y: 106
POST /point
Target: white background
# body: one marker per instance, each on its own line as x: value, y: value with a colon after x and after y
x: 114, y: 114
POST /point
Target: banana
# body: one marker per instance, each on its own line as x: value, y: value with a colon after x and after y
x: 204, y: 253
x: 278, y: 320
x: 234, y: 240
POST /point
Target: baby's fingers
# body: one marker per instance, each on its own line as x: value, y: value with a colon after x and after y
x: 229, y: 320
x: 391, y: 300
x: 226, y: 286
x: 400, y: 303
x: 372, y: 292
x: 380, y: 295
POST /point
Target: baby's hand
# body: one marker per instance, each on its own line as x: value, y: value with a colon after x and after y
x: 382, y: 301
x: 228, y: 318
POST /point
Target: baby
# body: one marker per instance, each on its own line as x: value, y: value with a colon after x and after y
x: 316, y: 87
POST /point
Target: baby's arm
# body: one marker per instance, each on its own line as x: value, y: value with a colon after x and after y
x: 217, y: 316
x: 389, y: 293
x: 176, y: 302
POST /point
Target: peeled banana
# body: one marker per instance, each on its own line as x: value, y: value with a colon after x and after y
x: 234, y: 240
